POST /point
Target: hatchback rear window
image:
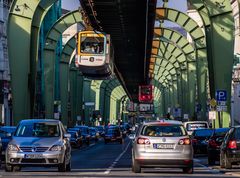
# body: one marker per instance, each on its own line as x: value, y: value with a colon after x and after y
x: 203, y: 132
x: 194, y: 126
x: 237, y: 133
x: 163, y: 131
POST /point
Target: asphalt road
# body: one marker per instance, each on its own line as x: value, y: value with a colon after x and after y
x: 114, y: 160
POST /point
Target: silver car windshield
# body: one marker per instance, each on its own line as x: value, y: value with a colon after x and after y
x: 38, y: 130
x: 163, y: 131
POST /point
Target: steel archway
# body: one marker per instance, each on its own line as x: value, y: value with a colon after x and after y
x: 199, y: 40
x: 23, y: 24
x: 52, y: 37
x: 219, y: 28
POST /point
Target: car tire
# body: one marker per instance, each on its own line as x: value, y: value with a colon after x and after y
x: 211, y: 161
x: 62, y: 167
x: 188, y: 170
x: 227, y: 163
x: 105, y: 141
x: 222, y: 161
x: 69, y: 166
x: 16, y: 168
x: 121, y: 141
x: 136, y: 168
x: 8, y: 168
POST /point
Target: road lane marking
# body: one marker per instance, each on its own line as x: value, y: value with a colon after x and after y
x: 197, y: 161
x: 116, y: 160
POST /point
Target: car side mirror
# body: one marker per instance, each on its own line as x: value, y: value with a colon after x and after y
x: 131, y: 136
x: 220, y: 139
x: 67, y: 135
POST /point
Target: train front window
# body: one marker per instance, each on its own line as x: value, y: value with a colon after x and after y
x: 92, y: 45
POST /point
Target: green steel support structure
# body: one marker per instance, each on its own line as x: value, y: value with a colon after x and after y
x: 219, y: 27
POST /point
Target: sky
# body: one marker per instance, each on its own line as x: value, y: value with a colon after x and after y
x: 176, y: 4
x: 181, y: 5
x: 70, y: 4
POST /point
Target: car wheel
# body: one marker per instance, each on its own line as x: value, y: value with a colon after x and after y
x: 136, y: 168
x: 62, y: 167
x: 8, y: 168
x: 16, y: 168
x: 188, y: 170
x: 121, y: 141
x: 227, y: 163
x: 105, y: 141
x: 211, y: 161
x: 69, y: 166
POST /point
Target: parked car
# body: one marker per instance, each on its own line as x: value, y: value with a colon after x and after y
x: 101, y: 130
x: 94, y: 133
x: 162, y: 144
x: 200, y: 139
x: 230, y: 148
x: 6, y: 133
x: 124, y: 131
x: 85, y: 133
x: 113, y: 134
x: 76, y: 139
x: 195, y: 125
x: 39, y: 142
x: 214, y: 143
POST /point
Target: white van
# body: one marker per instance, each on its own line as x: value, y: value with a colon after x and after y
x: 193, y: 125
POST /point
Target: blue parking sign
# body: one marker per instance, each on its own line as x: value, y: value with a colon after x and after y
x: 221, y: 95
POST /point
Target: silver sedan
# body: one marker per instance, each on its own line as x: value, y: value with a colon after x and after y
x: 39, y: 142
x: 162, y: 144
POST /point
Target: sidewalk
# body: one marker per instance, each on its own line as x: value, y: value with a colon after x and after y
x: 235, y: 171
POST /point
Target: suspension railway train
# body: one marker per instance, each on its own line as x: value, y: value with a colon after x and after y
x: 95, y: 55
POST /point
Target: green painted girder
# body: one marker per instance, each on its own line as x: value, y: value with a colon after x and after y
x: 40, y: 13
x: 65, y: 59
x: 199, y: 40
x: 23, y: 24
x: 219, y: 26
x: 191, y: 84
x: 176, y: 38
x: 52, y: 37
x: 96, y: 86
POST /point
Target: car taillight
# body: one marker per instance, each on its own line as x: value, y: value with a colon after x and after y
x: 184, y: 141
x: 232, y: 144
x: 194, y: 141
x: 143, y: 141
x: 212, y: 143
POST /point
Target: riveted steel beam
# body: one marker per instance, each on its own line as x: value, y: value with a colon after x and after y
x: 52, y: 37
x: 199, y: 40
x: 219, y: 27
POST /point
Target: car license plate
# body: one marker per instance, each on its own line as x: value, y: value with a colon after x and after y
x: 163, y: 146
x: 33, y: 156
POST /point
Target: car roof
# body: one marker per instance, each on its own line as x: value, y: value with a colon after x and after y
x: 40, y: 120
x: 192, y: 122
x: 174, y: 122
x: 236, y: 126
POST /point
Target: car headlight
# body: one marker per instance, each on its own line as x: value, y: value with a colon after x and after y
x: 56, y: 148
x: 12, y: 148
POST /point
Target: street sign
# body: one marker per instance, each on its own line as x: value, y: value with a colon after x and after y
x: 222, y: 108
x: 212, y: 115
x: 213, y: 102
x: 221, y: 103
x: 185, y: 116
x: 221, y: 95
x: 89, y: 103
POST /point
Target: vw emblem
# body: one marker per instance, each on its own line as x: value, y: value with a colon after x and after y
x: 91, y: 59
x: 164, y: 139
x: 34, y: 149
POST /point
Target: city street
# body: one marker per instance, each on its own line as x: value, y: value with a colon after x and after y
x: 114, y: 160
